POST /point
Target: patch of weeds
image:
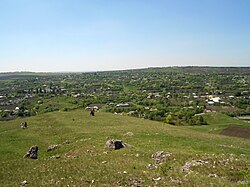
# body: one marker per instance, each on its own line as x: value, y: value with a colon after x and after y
x: 169, y: 167
x: 246, y: 176
x: 226, y: 166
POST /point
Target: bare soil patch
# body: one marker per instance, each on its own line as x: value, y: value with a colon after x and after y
x: 238, y: 131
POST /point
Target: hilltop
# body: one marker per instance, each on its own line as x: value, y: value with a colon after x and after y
x: 185, y: 155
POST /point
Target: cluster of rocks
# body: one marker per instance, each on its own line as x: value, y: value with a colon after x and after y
x: 33, y: 150
x: 192, y: 163
x: 160, y: 156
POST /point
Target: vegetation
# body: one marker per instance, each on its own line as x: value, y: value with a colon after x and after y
x: 180, y: 114
x: 153, y: 93
x: 85, y: 161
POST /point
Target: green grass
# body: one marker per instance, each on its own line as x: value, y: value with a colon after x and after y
x: 81, y: 160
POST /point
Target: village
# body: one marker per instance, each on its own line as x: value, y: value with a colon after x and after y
x: 177, y: 93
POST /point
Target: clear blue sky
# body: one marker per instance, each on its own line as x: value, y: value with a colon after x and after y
x: 94, y: 35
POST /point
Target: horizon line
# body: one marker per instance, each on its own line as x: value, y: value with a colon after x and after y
x: 141, y: 68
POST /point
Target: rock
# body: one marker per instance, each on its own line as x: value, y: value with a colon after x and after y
x: 156, y: 179
x: 137, y: 184
x: 187, y: 165
x: 129, y: 134
x: 212, y: 175
x: 116, y: 144
x: 53, y: 147
x: 24, y: 183
x: 66, y: 142
x: 160, y: 156
x: 24, y: 125
x: 151, y: 166
x: 176, y: 181
x: 32, y: 153
x: 242, y: 182
x: 55, y: 157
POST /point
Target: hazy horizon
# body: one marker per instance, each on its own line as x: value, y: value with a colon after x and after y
x: 87, y: 36
x: 24, y: 71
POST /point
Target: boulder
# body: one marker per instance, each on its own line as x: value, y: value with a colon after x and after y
x: 32, y: 153
x: 116, y: 144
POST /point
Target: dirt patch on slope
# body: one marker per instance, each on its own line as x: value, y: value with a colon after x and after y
x: 238, y: 131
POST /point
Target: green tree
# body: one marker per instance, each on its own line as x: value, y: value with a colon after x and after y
x: 169, y: 119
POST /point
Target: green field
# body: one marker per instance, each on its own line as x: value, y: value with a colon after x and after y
x: 223, y: 160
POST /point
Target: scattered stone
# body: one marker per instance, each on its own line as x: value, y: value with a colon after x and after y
x: 24, y: 183
x: 156, y: 179
x: 186, y: 167
x: 242, y: 182
x: 70, y: 156
x: 129, y: 134
x: 151, y: 166
x: 32, y: 153
x: 66, y: 142
x: 213, y: 175
x: 90, y: 151
x: 104, y: 162
x: 53, y: 147
x: 176, y: 181
x: 160, y: 156
x: 136, y: 183
x: 55, y: 157
x: 86, y: 139
x: 116, y: 144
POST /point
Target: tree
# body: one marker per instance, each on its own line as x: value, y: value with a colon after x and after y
x: 169, y: 119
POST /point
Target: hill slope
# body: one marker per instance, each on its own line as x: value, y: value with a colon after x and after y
x: 194, y: 156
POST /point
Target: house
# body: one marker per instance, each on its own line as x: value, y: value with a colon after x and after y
x: 121, y: 105
x: 216, y: 99
x: 210, y: 102
x: 92, y: 108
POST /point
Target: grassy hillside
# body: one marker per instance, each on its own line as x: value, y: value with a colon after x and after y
x: 213, y: 159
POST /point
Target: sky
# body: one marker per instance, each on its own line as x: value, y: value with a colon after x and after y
x: 100, y: 35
